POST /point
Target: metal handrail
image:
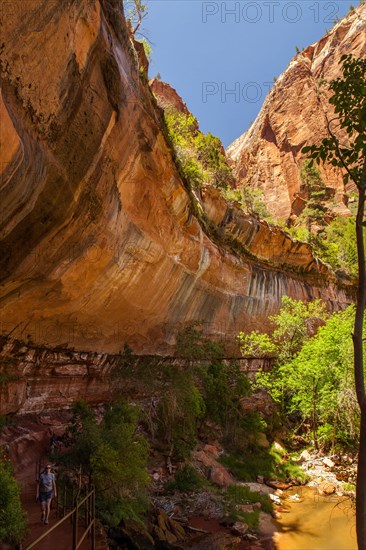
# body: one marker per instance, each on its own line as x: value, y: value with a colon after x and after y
x: 74, y: 513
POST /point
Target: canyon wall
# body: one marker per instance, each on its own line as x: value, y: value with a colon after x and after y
x: 101, y: 243
x: 268, y: 156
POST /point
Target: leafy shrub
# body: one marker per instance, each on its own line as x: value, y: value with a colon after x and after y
x: 114, y: 457
x: 186, y: 480
x: 267, y: 463
x: 237, y: 495
x: 12, y: 516
x: 201, y: 157
x: 179, y: 411
x: 240, y: 494
x: 251, y: 202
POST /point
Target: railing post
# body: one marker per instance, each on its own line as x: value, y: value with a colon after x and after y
x: 72, y: 503
x: 75, y: 528
x: 87, y: 518
x: 93, y: 520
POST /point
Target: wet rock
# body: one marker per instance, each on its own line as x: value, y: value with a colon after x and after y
x: 327, y: 488
x: 278, y: 484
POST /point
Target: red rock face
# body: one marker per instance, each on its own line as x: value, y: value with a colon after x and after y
x: 268, y: 156
x: 99, y: 245
x: 167, y: 97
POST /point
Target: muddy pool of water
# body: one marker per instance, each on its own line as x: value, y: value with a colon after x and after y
x: 316, y: 522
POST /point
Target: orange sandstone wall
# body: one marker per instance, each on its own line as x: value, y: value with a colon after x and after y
x: 99, y: 245
x: 268, y: 156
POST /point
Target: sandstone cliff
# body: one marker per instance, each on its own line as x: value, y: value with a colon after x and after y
x: 268, y: 156
x: 101, y: 243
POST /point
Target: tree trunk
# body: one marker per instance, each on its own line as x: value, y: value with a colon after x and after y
x: 359, y: 374
x: 314, y: 414
x: 361, y: 487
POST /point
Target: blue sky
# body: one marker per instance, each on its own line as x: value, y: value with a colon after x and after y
x: 205, y: 49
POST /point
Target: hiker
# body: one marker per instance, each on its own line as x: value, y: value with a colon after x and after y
x: 53, y: 442
x: 46, y: 490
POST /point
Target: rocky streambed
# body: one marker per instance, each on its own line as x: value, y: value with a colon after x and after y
x: 302, y: 516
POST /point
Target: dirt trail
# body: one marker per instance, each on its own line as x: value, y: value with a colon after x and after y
x: 27, y: 443
x: 61, y: 538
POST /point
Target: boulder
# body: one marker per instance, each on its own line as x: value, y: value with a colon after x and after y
x: 239, y: 528
x: 327, y: 488
x: 328, y: 462
x: 214, y: 450
x: 305, y: 456
x: 221, y: 477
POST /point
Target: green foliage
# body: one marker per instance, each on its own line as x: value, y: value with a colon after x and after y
x: 222, y: 386
x: 136, y: 11
x: 264, y: 462
x: 205, y: 390
x: 240, y: 494
x: 336, y: 245
x: 201, y: 157
x: 114, y: 456
x: 6, y: 377
x: 192, y: 345
x: 251, y: 201
x: 179, y: 411
x: 182, y: 128
x: 257, y: 344
x: 12, y: 516
x: 314, y: 386
x: 186, y: 480
x: 294, y: 323
x: 147, y: 48
x: 211, y: 154
x: 315, y: 210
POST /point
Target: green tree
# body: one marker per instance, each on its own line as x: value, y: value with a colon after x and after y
x: 318, y: 379
x: 337, y: 245
x: 12, y: 516
x: 312, y: 380
x: 114, y: 457
x: 222, y: 386
x: 251, y: 201
x: 349, y: 153
x: 136, y: 11
x: 295, y: 322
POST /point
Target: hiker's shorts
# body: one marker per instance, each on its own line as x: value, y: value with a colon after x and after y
x: 43, y: 497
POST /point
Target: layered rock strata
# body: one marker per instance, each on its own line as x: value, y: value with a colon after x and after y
x: 268, y: 156
x: 38, y: 379
x: 101, y: 243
